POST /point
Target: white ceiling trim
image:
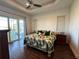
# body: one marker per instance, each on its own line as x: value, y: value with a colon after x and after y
x: 47, y: 6
x: 60, y: 4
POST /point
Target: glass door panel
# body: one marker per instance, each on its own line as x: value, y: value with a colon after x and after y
x: 21, y: 29
x: 3, y: 22
x: 13, y: 29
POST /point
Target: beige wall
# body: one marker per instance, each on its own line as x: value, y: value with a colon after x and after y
x: 74, y: 27
x: 28, y: 24
x: 48, y: 21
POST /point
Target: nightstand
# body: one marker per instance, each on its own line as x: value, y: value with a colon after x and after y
x: 60, y: 39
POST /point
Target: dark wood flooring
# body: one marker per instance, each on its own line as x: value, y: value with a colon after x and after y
x: 18, y: 51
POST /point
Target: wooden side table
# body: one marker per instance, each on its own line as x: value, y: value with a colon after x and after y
x: 61, y: 39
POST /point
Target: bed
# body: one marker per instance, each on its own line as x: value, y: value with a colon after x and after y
x: 41, y: 42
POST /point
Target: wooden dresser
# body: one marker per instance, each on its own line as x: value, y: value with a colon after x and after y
x: 4, y: 50
x: 60, y: 39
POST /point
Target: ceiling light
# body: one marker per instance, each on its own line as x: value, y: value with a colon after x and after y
x: 27, y: 4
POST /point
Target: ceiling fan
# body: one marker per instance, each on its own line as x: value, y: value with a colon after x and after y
x: 30, y: 3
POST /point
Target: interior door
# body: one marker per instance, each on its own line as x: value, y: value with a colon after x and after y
x: 61, y: 23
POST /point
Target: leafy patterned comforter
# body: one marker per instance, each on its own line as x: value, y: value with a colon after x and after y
x: 41, y: 42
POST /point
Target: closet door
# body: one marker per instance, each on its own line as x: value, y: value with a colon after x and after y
x: 60, y: 23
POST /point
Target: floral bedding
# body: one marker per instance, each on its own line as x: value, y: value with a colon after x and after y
x: 41, y: 42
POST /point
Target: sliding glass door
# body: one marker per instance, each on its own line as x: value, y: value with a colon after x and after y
x: 13, y: 23
x: 21, y: 29
x: 16, y: 27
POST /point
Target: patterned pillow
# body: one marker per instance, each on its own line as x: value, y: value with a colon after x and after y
x: 47, y: 33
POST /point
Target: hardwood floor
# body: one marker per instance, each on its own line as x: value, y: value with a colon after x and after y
x: 18, y: 51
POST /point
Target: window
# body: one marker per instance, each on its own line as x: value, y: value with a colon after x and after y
x: 3, y: 22
x: 15, y: 25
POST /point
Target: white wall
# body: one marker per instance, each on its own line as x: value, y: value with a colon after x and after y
x: 74, y: 27
x: 48, y: 21
x: 28, y: 24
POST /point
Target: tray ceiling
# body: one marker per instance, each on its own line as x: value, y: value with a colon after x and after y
x: 47, y: 5
x: 41, y: 2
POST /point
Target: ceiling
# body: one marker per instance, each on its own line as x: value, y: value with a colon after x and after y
x: 40, y: 2
x: 47, y: 5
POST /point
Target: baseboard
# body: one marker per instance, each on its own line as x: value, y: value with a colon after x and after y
x: 74, y: 51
